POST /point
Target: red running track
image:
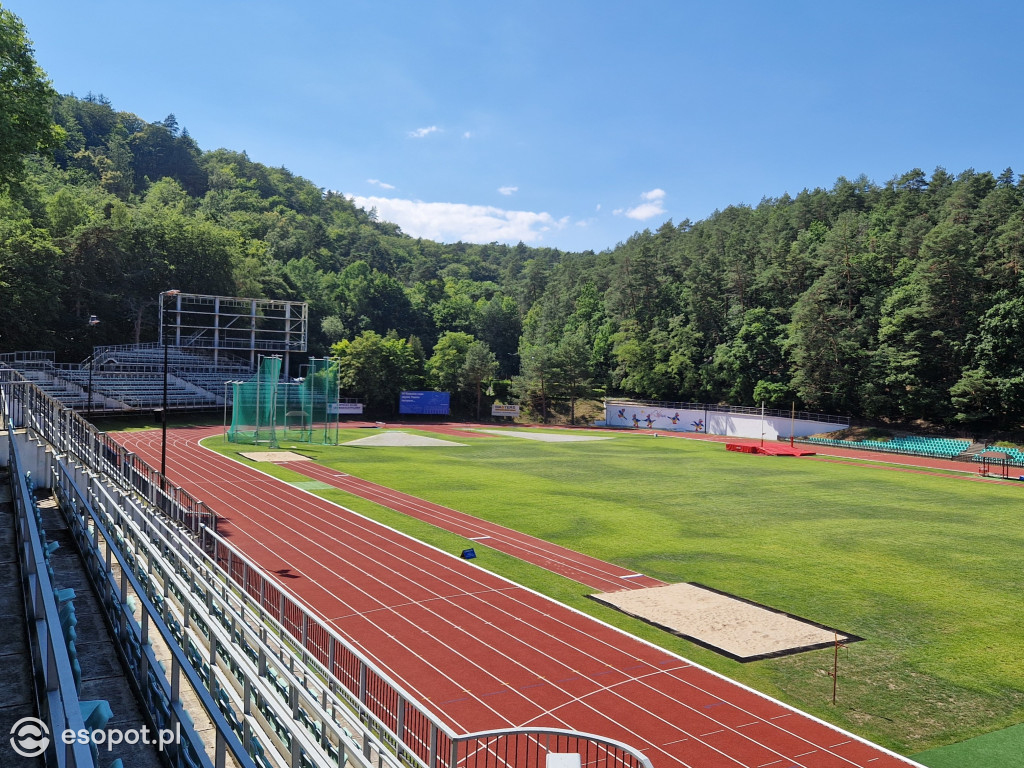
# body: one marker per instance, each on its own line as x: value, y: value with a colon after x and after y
x: 595, y: 573
x: 485, y: 653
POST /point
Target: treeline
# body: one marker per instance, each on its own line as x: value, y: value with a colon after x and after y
x: 898, y: 301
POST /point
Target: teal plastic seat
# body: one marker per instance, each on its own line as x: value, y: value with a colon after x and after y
x: 96, y: 714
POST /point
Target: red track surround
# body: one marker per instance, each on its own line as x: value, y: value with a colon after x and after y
x: 485, y: 653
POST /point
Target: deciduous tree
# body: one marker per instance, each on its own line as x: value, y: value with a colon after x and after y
x: 26, y: 122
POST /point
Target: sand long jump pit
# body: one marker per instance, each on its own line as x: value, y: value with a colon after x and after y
x: 729, y: 625
x: 274, y: 457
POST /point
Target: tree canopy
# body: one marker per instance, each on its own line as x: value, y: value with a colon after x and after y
x: 895, y: 301
x: 26, y: 122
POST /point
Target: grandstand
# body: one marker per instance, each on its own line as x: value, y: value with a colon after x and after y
x: 202, y: 347
x: 131, y: 377
x: 1009, y: 456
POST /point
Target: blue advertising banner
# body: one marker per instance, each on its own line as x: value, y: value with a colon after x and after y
x: 431, y: 403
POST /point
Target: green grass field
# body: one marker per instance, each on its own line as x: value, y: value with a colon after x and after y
x: 928, y: 569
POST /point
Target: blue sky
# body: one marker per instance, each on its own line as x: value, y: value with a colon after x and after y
x: 565, y: 124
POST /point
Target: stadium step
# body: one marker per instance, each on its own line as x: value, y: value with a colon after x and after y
x: 974, y: 449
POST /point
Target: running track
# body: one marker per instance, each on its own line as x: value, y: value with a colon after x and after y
x: 595, y: 573
x: 484, y: 653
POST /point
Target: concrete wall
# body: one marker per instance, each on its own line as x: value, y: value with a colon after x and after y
x: 634, y: 416
x: 35, y: 458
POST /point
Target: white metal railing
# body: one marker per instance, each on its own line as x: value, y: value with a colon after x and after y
x: 31, y: 356
x: 56, y: 695
x: 246, y: 663
x: 392, y: 724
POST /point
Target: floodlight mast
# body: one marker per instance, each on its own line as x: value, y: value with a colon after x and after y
x: 163, y: 410
x: 93, y: 322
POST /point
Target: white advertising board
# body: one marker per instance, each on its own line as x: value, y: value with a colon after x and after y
x: 498, y: 409
x: 348, y: 408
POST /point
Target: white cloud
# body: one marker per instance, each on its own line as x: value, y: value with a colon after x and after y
x: 467, y: 135
x: 379, y: 183
x: 648, y: 210
x: 448, y: 222
x: 508, y: 190
x: 419, y: 133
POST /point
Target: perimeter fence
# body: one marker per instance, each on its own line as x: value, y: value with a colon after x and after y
x: 828, y: 418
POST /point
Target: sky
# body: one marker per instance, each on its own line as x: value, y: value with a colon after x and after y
x: 569, y: 124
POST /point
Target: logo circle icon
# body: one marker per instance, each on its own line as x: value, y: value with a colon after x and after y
x: 30, y: 737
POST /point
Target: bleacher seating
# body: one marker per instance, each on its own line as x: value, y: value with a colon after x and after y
x: 911, y: 445
x: 66, y: 391
x: 132, y: 377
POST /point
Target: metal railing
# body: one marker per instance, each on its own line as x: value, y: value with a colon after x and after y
x: 522, y: 747
x: 391, y: 722
x: 56, y: 695
x: 393, y: 716
x: 112, y: 567
x: 30, y: 356
x: 72, y: 435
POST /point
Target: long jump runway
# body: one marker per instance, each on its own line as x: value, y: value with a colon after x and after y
x: 484, y: 653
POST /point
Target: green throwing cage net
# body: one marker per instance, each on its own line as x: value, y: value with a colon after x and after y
x: 305, y: 411
x: 253, y: 405
x: 266, y: 410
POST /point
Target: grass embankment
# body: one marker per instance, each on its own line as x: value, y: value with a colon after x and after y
x: 925, y: 568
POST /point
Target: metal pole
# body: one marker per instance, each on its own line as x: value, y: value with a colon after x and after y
x: 91, y: 361
x: 163, y: 419
x: 163, y: 440
x: 259, y: 370
x: 792, y: 425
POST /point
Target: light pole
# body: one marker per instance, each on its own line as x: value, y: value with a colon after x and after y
x: 89, y: 409
x: 93, y: 322
x: 163, y: 411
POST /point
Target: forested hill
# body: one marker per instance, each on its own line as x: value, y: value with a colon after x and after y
x: 900, y: 301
